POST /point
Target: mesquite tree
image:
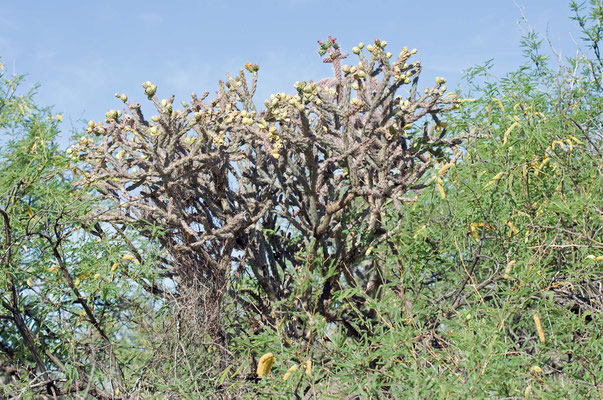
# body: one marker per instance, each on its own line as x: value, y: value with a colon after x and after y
x: 266, y: 197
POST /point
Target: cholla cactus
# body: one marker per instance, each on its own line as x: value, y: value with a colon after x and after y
x: 311, y: 174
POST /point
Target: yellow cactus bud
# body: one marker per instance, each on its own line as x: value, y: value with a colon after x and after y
x: 360, y: 45
x: 355, y: 50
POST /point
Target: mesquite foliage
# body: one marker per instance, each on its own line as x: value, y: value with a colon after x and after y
x: 259, y: 198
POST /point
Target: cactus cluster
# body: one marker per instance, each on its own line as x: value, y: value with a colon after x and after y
x: 218, y: 175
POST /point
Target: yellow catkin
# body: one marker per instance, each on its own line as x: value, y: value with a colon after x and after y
x: 265, y: 364
x: 508, y: 131
x: 527, y: 392
x: 441, y: 188
x: 129, y: 257
x: 308, y: 366
x: 508, y: 269
x: 290, y: 371
x: 495, y: 178
x: 499, y: 103
x: 539, y: 328
x: 445, y: 168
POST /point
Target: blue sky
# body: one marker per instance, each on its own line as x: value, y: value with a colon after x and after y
x: 83, y: 52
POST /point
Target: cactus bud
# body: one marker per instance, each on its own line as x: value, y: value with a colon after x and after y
x: 155, y: 118
x: 355, y: 86
x: 413, y: 51
x: 91, y: 124
x: 150, y: 90
x: 370, y: 48
x: 355, y: 50
x: 146, y: 84
x: 360, y: 45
